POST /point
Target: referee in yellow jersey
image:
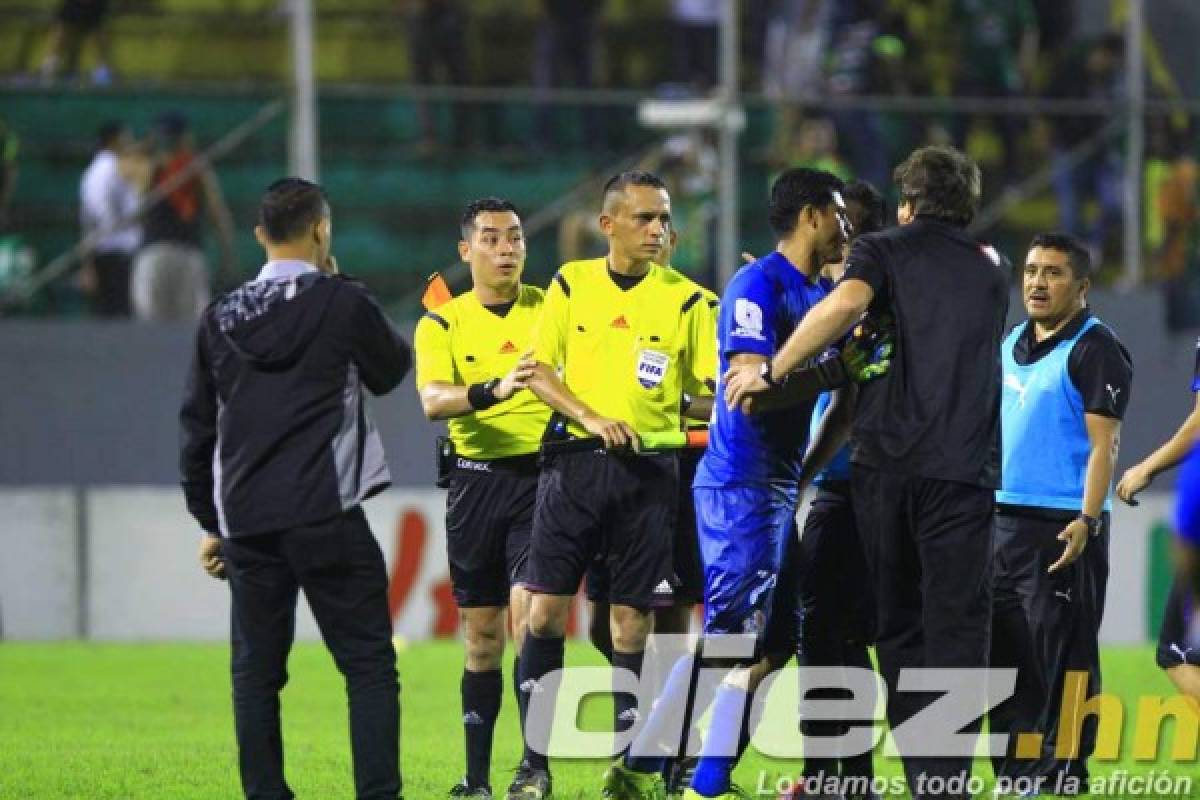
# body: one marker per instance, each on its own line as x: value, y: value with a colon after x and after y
x: 689, y: 571
x: 620, y: 337
x: 472, y: 369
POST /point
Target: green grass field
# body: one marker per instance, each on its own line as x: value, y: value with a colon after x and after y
x: 96, y: 721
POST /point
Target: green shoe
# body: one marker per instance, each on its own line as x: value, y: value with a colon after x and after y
x: 622, y: 783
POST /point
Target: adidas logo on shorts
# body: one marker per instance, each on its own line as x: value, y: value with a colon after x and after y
x: 664, y: 588
x: 531, y: 687
x: 472, y: 718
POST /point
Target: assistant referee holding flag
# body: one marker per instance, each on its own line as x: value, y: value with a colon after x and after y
x: 472, y: 368
x: 278, y: 454
x: 626, y: 335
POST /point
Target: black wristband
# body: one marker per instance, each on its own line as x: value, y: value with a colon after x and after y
x: 482, y: 396
x: 1093, y: 524
x: 832, y: 372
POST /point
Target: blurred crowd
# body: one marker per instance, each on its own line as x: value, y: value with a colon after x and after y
x: 143, y: 208
x: 816, y: 67
x: 812, y: 59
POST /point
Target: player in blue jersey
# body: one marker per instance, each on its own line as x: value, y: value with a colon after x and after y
x: 835, y: 603
x: 1179, y: 638
x: 747, y: 483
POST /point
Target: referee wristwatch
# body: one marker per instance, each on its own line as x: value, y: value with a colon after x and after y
x: 1093, y: 524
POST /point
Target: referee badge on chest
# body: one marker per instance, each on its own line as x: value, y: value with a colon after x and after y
x: 652, y: 368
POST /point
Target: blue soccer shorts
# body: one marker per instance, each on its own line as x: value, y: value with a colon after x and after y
x: 743, y: 532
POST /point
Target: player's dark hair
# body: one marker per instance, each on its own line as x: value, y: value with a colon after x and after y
x: 940, y: 182
x: 872, y: 206
x: 793, y: 190
x: 623, y: 180
x: 290, y: 207
x: 1078, y: 256
x: 109, y: 132
x: 480, y: 206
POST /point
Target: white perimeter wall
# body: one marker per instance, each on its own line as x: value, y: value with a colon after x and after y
x: 130, y: 554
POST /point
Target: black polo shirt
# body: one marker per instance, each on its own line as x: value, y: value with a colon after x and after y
x: 1099, y: 365
x: 936, y: 413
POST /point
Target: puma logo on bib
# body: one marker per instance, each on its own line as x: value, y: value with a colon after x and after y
x: 652, y: 368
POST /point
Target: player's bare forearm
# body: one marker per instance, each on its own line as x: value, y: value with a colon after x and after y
x: 616, y: 433
x: 441, y: 400
x: 831, y: 434
x: 822, y: 325
x: 1175, y: 449
x: 553, y: 392
x: 1104, y: 436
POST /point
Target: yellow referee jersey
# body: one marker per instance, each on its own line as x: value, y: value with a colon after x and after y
x: 628, y: 354
x: 462, y: 342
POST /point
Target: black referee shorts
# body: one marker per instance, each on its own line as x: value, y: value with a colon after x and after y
x: 689, y: 571
x: 489, y: 515
x: 1175, y: 647
x: 616, y: 510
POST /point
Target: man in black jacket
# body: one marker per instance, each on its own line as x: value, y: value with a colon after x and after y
x: 278, y: 454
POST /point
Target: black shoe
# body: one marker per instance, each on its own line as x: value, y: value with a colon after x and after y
x: 529, y: 784
x: 465, y: 789
x: 680, y: 772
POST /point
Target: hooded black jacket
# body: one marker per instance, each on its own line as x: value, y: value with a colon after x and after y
x: 275, y: 427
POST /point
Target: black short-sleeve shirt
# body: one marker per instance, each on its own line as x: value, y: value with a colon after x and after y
x: 936, y: 413
x: 1099, y: 365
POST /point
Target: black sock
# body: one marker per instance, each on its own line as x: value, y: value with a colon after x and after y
x: 538, y: 657
x: 625, y: 705
x: 518, y: 695
x: 812, y: 730
x: 482, y: 694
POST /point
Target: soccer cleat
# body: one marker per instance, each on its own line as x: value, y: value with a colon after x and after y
x: 465, y: 789
x: 529, y: 784
x: 622, y: 783
x: 734, y: 792
x: 680, y: 771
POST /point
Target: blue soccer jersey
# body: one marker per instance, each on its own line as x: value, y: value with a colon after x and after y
x: 1187, y: 489
x: 1187, y: 499
x: 762, y: 305
x: 1196, y: 370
